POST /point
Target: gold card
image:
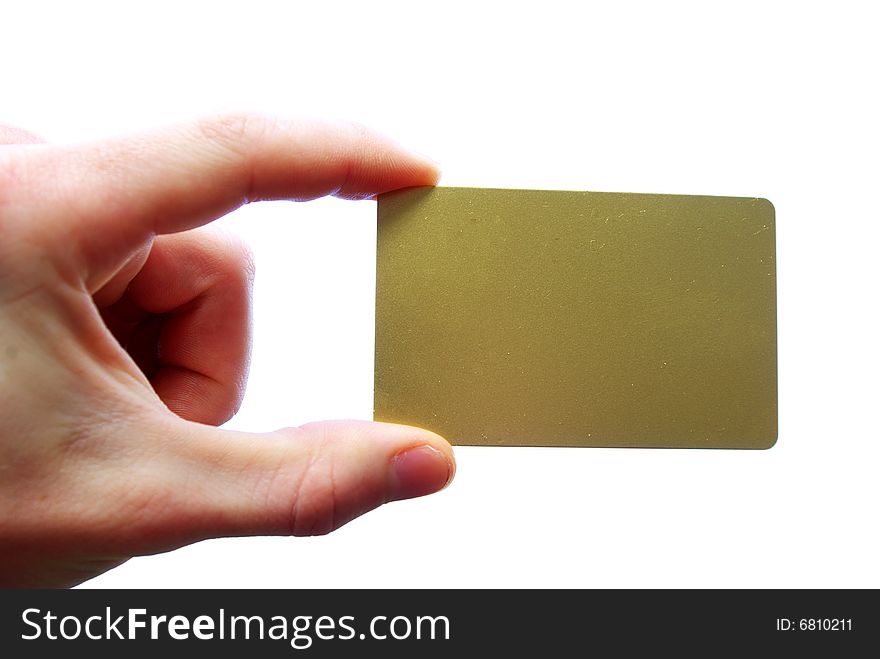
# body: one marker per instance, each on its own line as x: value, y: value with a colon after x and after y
x: 547, y: 318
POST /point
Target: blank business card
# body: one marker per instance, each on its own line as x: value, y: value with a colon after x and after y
x: 548, y: 318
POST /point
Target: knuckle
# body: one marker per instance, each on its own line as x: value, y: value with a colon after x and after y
x: 310, y: 516
x: 313, y: 509
x: 359, y: 139
x: 316, y: 507
x: 234, y: 128
x: 238, y: 137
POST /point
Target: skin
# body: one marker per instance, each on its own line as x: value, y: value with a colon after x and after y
x: 125, y: 340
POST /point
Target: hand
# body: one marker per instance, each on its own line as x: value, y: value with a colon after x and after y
x: 124, y: 339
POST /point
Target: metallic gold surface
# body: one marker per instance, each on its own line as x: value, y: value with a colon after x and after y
x: 537, y: 318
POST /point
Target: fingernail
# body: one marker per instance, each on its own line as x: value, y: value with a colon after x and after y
x: 420, y: 470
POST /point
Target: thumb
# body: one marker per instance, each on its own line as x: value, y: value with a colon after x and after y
x: 308, y: 480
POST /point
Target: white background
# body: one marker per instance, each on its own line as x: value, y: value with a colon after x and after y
x: 765, y: 99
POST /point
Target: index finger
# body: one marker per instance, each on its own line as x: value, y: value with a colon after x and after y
x: 106, y: 199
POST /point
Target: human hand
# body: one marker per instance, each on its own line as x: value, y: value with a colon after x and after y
x: 125, y: 338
